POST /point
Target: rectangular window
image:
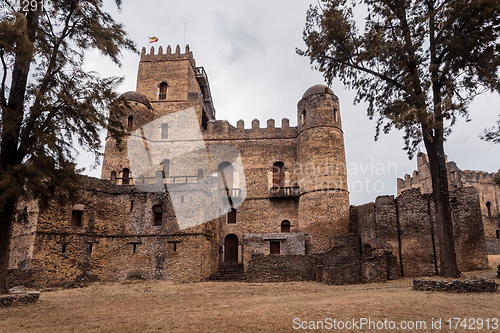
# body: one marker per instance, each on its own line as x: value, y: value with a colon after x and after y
x: 274, y: 247
x: 77, y: 218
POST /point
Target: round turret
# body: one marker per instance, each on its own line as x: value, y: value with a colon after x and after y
x: 324, y: 200
x: 115, y: 165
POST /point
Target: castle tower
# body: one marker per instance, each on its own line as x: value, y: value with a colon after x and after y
x: 324, y: 200
x: 167, y: 82
x: 172, y: 82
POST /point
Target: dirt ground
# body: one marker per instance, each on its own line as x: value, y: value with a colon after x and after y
x: 163, y: 306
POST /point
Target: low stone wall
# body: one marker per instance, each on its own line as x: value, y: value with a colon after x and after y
x: 23, y: 297
x: 474, y: 285
x: 281, y: 268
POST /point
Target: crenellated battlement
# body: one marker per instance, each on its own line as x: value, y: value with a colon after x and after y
x: 421, y: 177
x: 168, y: 55
x: 220, y: 129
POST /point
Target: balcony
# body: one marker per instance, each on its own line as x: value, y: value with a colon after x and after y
x: 234, y: 193
x: 284, y: 192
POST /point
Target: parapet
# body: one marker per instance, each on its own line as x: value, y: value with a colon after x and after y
x: 168, y: 55
x: 219, y: 129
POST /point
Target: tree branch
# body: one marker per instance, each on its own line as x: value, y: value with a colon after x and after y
x: 3, y: 99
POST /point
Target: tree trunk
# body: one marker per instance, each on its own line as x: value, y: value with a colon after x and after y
x: 441, y: 196
x: 6, y: 219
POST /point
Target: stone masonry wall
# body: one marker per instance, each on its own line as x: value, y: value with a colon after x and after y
x: 117, y: 240
x: 405, y: 226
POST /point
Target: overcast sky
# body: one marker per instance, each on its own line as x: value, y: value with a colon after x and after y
x: 248, y: 51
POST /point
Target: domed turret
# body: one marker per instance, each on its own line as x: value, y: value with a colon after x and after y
x: 115, y: 163
x: 324, y: 200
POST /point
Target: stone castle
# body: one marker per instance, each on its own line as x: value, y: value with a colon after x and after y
x: 273, y: 205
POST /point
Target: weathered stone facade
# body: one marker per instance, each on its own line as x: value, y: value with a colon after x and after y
x: 285, y: 211
x: 489, y: 193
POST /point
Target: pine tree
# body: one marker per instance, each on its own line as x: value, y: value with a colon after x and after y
x: 418, y: 64
x: 48, y: 101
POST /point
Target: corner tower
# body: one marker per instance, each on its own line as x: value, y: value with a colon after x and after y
x: 324, y: 199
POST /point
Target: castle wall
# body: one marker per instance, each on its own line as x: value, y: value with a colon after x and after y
x: 489, y: 193
x: 405, y: 226
x: 118, y: 240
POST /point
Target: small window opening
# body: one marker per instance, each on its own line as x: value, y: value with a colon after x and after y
x: 157, y: 215
x: 113, y: 175
x: 200, y: 174
x: 63, y: 248
x: 454, y: 200
x: 336, y: 115
x: 77, y: 218
x: 303, y: 117
x: 126, y: 177
x: 164, y: 131
x: 134, y: 247
x: 231, y: 216
x: 131, y: 205
x: 174, y: 247
x: 165, y: 166
x: 90, y: 247
x: 285, y: 226
x: 130, y: 123
x: 274, y: 247
x: 488, y: 207
x: 498, y: 233
x: 163, y: 91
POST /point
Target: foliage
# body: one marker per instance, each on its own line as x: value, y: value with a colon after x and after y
x: 418, y: 62
x: 492, y: 134
x: 48, y: 102
x: 52, y: 103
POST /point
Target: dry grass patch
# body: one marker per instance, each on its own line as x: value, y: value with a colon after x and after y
x: 162, y: 306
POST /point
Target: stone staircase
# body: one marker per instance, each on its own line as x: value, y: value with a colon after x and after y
x: 229, y: 273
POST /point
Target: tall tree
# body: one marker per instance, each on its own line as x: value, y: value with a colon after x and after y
x: 48, y: 101
x: 418, y: 64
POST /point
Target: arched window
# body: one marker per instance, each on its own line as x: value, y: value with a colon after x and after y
x: 279, y: 174
x: 488, y: 207
x: 113, y: 175
x: 165, y: 166
x: 225, y: 171
x: 163, y: 91
x: 231, y: 216
x: 164, y: 131
x: 157, y: 215
x: 126, y: 177
x: 285, y: 226
x: 130, y: 123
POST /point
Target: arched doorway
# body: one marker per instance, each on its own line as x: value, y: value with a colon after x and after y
x: 231, y: 250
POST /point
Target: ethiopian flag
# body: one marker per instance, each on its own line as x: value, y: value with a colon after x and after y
x: 153, y: 39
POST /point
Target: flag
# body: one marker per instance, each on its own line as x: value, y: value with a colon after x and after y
x: 153, y: 39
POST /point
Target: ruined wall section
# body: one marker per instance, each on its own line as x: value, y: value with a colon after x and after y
x: 405, y: 226
x: 23, y: 235
x: 489, y: 193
